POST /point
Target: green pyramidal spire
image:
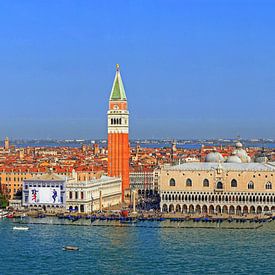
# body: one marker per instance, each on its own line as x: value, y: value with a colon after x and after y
x: 118, y: 92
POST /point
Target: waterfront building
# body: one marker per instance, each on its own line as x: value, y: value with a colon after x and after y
x: 11, y: 179
x: 44, y: 191
x: 92, y: 195
x: 215, y: 187
x: 118, y: 131
x: 231, y: 185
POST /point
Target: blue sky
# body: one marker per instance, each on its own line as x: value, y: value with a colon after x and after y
x: 191, y: 69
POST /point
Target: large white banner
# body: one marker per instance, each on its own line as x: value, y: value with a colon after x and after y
x: 49, y: 195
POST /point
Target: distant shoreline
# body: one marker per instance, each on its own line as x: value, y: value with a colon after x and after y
x: 193, y: 145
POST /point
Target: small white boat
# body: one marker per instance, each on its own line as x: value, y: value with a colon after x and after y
x: 23, y: 228
x: 71, y: 248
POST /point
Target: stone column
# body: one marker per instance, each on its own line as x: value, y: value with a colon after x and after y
x: 100, y: 201
x: 134, y: 201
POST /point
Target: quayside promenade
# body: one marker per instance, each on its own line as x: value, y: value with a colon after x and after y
x: 144, y: 218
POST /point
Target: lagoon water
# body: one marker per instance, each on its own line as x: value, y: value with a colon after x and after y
x: 136, y: 250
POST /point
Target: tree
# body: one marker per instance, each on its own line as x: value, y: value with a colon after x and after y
x: 3, y: 197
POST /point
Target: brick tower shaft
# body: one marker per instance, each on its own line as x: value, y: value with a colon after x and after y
x: 118, y: 133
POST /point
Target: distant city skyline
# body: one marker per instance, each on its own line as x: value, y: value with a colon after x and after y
x: 191, y: 69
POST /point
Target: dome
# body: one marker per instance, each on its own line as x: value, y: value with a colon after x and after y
x: 214, y: 157
x: 242, y: 154
x: 233, y: 159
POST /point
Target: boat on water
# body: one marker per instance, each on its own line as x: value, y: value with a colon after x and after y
x: 22, y: 228
x: 3, y: 214
x: 71, y: 248
x: 128, y: 220
x: 40, y: 216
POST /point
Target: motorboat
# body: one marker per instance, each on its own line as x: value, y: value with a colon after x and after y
x: 22, y: 228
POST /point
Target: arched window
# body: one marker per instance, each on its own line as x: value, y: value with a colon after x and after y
x: 251, y: 185
x: 112, y: 121
x: 268, y: 185
x: 219, y: 185
x: 172, y: 182
x: 233, y: 183
x: 205, y: 183
x: 188, y: 182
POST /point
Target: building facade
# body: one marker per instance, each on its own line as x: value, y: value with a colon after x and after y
x: 92, y: 195
x: 11, y: 180
x: 118, y: 133
x: 145, y: 182
x: 45, y: 191
x: 211, y: 187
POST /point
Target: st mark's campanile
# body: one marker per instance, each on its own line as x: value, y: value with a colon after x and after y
x: 118, y: 133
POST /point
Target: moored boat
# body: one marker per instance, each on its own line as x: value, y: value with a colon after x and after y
x: 128, y: 220
x: 3, y: 214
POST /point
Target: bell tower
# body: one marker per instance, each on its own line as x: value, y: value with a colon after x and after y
x: 118, y: 133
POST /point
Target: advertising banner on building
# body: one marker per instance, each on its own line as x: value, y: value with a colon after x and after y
x: 47, y: 195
